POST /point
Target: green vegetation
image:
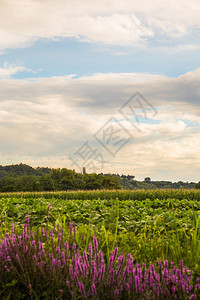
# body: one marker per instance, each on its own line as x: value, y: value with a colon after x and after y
x: 150, y: 225
x: 197, y: 185
x: 59, y: 264
x: 22, y: 178
x: 161, y: 194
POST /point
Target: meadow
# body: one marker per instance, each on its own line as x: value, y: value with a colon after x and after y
x: 156, y: 232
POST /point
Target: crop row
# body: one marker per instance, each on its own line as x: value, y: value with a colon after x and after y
x: 110, y: 194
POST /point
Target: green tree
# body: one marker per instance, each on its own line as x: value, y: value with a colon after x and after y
x: 197, y: 185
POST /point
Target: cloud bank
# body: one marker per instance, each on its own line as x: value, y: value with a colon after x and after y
x: 128, y: 23
x: 44, y: 121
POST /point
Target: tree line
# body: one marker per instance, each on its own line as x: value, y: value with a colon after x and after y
x: 21, y: 178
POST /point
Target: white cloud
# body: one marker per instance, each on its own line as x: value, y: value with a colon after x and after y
x: 10, y: 69
x: 176, y: 48
x: 127, y: 22
x: 14, y: 39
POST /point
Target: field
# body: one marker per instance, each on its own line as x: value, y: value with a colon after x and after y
x: 151, y: 226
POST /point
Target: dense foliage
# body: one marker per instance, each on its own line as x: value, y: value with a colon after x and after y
x: 197, y: 185
x: 16, y: 178
x: 142, y: 238
x: 26, y: 178
x: 155, y: 226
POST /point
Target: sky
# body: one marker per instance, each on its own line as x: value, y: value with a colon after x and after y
x: 110, y: 85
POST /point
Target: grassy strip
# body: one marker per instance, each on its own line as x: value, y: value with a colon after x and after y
x: 110, y: 194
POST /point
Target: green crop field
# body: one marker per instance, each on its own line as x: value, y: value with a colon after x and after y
x: 152, y: 226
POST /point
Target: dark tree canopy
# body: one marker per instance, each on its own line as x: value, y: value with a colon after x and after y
x: 22, y: 177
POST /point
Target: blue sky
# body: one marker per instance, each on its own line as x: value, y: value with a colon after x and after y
x: 67, y: 56
x: 67, y: 67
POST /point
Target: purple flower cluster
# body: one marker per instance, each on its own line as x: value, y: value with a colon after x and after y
x: 35, y: 258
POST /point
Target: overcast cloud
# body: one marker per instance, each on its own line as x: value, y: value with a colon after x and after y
x: 51, y: 118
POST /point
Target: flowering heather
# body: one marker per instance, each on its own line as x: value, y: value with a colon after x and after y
x: 44, y: 265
